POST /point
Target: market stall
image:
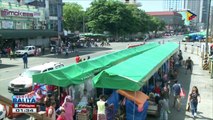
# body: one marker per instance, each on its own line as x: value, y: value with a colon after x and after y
x: 78, y: 73
x: 133, y: 76
x: 76, y: 78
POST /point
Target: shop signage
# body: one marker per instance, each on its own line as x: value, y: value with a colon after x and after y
x: 18, y: 13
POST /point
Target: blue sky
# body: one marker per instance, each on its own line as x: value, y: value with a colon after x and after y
x: 147, y: 5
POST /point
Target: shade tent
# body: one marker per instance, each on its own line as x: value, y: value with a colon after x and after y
x: 134, y: 72
x: 78, y: 73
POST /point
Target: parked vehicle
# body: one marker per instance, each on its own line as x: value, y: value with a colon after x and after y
x: 23, y: 84
x: 29, y: 50
x: 3, y: 111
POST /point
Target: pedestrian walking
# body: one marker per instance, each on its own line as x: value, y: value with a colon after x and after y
x: 39, y: 51
x: 193, y: 99
x: 176, y: 88
x: 189, y: 64
x: 180, y: 57
x: 8, y: 51
x: 25, y: 60
x: 11, y: 54
x: 77, y: 59
x: 192, y: 48
x: 69, y: 108
x: 166, y: 92
x: 185, y: 48
x: 164, y: 107
x: 66, y: 51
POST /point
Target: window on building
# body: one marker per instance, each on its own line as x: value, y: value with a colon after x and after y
x: 53, y: 10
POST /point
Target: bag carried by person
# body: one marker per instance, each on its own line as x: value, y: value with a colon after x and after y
x: 188, y: 107
x: 182, y: 93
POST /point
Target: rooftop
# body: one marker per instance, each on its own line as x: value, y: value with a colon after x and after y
x: 163, y: 13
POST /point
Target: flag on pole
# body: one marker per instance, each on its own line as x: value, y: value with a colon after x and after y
x: 190, y: 15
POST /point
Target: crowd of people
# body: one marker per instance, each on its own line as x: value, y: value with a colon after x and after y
x: 162, y: 95
x: 56, y: 107
x: 167, y: 85
x: 64, y: 106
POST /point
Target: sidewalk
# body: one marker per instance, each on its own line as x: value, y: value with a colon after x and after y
x: 201, y: 79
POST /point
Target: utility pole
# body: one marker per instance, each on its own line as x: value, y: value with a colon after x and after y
x: 59, y: 15
x: 205, y: 67
x: 207, y: 31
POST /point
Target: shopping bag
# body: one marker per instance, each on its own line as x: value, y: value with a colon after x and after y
x: 182, y: 93
x: 188, y: 107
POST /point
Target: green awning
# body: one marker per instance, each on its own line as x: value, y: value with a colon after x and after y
x: 12, y: 34
x: 132, y: 73
x: 78, y: 73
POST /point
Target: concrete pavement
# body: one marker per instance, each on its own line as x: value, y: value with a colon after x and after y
x: 201, y: 79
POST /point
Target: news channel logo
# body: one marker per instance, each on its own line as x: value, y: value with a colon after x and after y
x: 23, y: 99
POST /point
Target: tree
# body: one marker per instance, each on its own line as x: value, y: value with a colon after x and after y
x: 156, y: 25
x: 73, y: 15
x: 140, y: 20
x: 109, y: 15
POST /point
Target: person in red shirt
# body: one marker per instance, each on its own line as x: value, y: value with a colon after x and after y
x: 77, y: 59
x: 61, y: 116
x: 157, y: 89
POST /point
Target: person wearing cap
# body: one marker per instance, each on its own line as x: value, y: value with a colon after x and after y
x: 69, y: 108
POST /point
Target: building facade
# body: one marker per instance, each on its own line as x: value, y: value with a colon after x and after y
x: 211, y: 21
x: 173, y: 5
x: 28, y: 22
x: 200, y: 8
x: 195, y: 6
x: 172, y: 19
x: 204, y: 10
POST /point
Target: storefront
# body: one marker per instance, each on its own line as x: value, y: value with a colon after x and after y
x: 21, y: 23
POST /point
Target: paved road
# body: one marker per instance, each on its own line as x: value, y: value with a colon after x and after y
x: 12, y: 68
